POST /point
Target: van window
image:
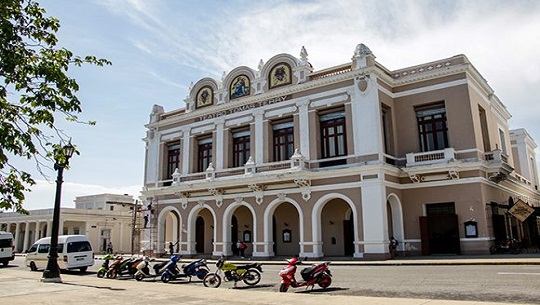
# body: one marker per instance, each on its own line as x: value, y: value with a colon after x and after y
x: 32, y: 249
x: 43, y: 248
x: 5, y: 243
x: 78, y: 246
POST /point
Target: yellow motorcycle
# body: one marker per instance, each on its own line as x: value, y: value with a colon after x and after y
x: 249, y: 274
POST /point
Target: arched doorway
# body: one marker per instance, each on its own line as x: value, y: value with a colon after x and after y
x: 286, y: 230
x: 395, y: 219
x: 337, y: 228
x: 204, y: 232
x: 171, y: 229
x: 243, y: 229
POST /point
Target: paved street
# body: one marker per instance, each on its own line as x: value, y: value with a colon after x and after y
x: 415, y: 281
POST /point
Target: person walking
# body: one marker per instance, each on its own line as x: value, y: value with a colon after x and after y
x: 109, y: 248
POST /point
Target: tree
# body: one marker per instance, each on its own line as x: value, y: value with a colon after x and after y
x: 35, y: 90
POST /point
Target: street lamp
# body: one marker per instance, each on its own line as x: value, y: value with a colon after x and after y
x: 51, y: 273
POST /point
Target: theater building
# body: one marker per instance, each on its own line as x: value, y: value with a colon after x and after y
x: 333, y: 162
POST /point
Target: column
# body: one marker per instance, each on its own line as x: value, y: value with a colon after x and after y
x: 366, y: 114
x: 49, y: 228
x: 259, y: 137
x: 26, y: 235
x: 219, y: 143
x: 37, y: 235
x: 303, y: 120
x: 17, y: 229
x: 185, y: 151
x: 121, y: 242
x: 374, y: 217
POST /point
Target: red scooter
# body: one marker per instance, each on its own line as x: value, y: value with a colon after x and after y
x: 317, y: 274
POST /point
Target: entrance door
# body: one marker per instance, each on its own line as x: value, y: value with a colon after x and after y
x: 439, y: 230
x: 348, y: 235
x: 199, y: 235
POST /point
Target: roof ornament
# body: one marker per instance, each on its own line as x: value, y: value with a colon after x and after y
x: 223, y: 76
x: 362, y: 50
x: 303, y: 54
x: 261, y: 65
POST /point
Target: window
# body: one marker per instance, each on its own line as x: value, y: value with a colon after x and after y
x: 43, y: 248
x: 241, y: 152
x: 333, y: 136
x: 205, y: 154
x: 283, y: 134
x: 78, y: 246
x: 432, y: 128
x: 503, y: 142
x: 387, y: 129
x: 173, y: 159
x: 484, y: 129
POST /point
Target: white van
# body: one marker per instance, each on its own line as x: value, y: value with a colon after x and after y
x: 74, y: 252
x: 7, y: 248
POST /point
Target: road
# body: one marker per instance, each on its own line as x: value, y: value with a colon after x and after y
x: 494, y: 283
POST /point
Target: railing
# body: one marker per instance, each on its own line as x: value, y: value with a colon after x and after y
x: 330, y: 72
x: 431, y: 157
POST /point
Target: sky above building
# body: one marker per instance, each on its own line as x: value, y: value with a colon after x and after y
x: 159, y: 47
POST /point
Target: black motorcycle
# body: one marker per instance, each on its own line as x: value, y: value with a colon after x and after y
x: 505, y: 247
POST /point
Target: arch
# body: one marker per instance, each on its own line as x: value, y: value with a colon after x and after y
x: 316, y: 223
x: 396, y: 212
x: 162, y: 220
x: 191, y: 224
x: 268, y: 224
x: 227, y: 218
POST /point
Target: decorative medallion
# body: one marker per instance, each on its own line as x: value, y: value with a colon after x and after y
x: 280, y: 75
x: 205, y: 97
x: 239, y: 87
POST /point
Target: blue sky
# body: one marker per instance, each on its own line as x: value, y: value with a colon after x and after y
x: 158, y: 47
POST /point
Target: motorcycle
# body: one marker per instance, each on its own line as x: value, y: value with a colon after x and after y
x: 506, y: 246
x: 196, y: 268
x: 249, y: 273
x: 126, y: 266
x: 105, y: 266
x: 143, y: 269
x: 317, y: 274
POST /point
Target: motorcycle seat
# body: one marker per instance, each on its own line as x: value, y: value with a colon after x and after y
x: 247, y: 266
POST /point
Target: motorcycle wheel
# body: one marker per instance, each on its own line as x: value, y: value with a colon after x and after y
x: 283, y: 288
x: 325, y: 281
x: 493, y: 249
x: 252, y: 277
x: 111, y: 275
x: 212, y: 280
x: 101, y: 273
x: 139, y: 277
x: 165, y: 277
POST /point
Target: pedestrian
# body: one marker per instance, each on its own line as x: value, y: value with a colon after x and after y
x: 109, y: 248
x: 242, y: 248
x: 145, y: 220
x: 393, y: 246
x: 171, y: 247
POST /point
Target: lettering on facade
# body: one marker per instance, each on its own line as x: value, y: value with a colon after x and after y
x: 275, y: 100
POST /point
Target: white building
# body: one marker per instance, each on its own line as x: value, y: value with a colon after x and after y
x: 102, y: 218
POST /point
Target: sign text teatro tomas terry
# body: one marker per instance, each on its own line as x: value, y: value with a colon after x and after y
x: 244, y: 107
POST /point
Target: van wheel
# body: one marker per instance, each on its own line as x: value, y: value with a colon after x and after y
x: 83, y: 269
x: 33, y: 266
x: 5, y: 264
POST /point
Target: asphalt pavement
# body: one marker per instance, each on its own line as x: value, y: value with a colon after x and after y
x: 20, y: 286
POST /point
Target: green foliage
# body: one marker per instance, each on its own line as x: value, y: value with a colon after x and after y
x: 34, y: 91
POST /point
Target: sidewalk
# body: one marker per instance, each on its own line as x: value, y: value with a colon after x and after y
x: 23, y: 287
